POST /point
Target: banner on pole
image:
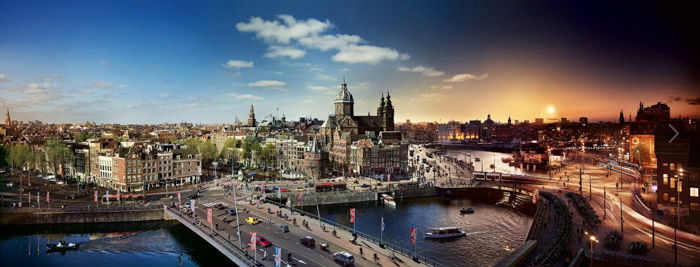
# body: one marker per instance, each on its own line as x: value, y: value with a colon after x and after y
x: 179, y: 199
x: 352, y: 215
x: 192, y: 206
x: 253, y: 238
x: 262, y: 189
x: 412, y: 235
x: 299, y: 194
x: 107, y: 195
x: 95, y: 196
x: 209, y: 220
x: 382, y: 224
x: 278, y: 257
x: 48, y: 197
x: 118, y: 195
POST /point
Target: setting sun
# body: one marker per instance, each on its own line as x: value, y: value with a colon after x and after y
x: 551, y: 110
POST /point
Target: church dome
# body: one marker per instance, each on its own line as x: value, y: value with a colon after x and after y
x: 344, y: 95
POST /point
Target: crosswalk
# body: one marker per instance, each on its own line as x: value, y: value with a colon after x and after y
x: 211, y: 204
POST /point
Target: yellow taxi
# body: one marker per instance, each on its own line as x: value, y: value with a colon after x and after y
x: 252, y: 220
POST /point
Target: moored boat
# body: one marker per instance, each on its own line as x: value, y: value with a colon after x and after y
x: 388, y: 200
x: 62, y: 245
x: 445, y: 232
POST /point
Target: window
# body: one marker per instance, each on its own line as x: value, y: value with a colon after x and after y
x: 673, y: 183
x: 673, y: 199
x: 665, y: 178
x: 665, y: 196
x: 694, y: 192
x: 673, y: 166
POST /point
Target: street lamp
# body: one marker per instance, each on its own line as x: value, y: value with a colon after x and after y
x: 593, y: 241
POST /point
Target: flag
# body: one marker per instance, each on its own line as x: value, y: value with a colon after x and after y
x: 38, y: 199
x: 209, y: 220
x: 352, y: 215
x: 179, y: 200
x: 48, y: 197
x: 389, y: 178
x: 382, y: 224
x: 107, y: 195
x: 262, y: 189
x: 118, y: 193
x: 299, y: 194
x: 412, y: 235
x: 95, y: 196
x: 192, y: 205
x: 279, y: 193
x: 278, y: 257
x: 253, y: 238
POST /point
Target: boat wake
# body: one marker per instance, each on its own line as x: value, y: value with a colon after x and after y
x: 146, y: 241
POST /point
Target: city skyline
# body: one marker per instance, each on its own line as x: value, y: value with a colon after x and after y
x: 441, y: 62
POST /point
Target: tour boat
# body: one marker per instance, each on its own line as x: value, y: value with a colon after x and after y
x: 506, y: 160
x: 62, y: 245
x: 444, y: 232
x: 388, y: 200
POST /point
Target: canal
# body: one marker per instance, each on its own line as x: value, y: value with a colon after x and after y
x: 118, y: 244
x: 492, y: 232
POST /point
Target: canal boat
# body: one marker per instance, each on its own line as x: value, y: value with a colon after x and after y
x: 466, y: 211
x: 62, y: 246
x: 388, y: 200
x: 444, y: 232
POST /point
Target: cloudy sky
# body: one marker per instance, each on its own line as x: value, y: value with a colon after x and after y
x: 171, y: 61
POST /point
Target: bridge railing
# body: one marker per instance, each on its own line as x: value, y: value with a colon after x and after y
x: 395, y: 248
x: 81, y: 209
x: 231, y: 247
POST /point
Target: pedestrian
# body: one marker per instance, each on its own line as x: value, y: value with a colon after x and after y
x: 361, y: 252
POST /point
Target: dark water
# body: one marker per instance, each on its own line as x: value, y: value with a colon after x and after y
x: 492, y: 232
x: 125, y: 244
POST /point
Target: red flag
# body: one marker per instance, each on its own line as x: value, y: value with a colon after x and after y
x: 389, y: 178
x: 352, y: 215
x: 95, y: 195
x: 262, y: 189
x: 412, y: 234
x: 253, y: 238
x: 48, y: 197
x: 209, y: 216
x: 299, y: 197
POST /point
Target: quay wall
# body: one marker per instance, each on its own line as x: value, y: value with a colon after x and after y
x: 336, y: 198
x: 63, y: 217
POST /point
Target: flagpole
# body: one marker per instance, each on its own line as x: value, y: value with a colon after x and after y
x: 238, y: 225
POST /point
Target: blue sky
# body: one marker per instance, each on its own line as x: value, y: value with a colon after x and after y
x: 171, y: 61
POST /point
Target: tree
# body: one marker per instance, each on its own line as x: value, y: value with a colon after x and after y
x: 229, y: 151
x: 82, y: 136
x: 248, y: 146
x: 268, y: 154
x: 57, y: 154
x: 208, y: 150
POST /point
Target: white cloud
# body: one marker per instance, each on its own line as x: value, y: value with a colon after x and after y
x: 310, y: 34
x: 284, y: 51
x: 433, y: 97
x: 365, y: 54
x: 3, y: 78
x: 237, y: 64
x: 446, y: 87
x: 290, y: 28
x: 325, y: 77
x: 466, y: 77
x: 245, y: 96
x: 267, y: 83
x: 318, y: 88
x: 164, y: 95
x: 426, y: 71
x: 99, y: 84
x: 121, y: 85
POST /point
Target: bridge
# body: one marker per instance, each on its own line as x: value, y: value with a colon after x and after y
x: 226, y: 247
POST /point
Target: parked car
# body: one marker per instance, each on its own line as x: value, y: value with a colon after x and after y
x: 639, y: 248
x: 230, y: 212
x: 308, y: 241
x: 365, y: 186
x: 10, y: 184
x: 284, y: 228
x: 252, y: 220
x: 284, y: 190
x: 344, y: 257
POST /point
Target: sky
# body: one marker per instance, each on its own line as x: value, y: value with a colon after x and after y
x: 208, y: 61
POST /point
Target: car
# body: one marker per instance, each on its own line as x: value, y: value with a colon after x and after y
x: 252, y: 220
x: 10, y: 184
x: 344, y: 257
x: 310, y: 185
x: 639, y: 248
x: 261, y: 241
x: 283, y: 190
x: 220, y: 206
x: 365, y: 186
x: 284, y: 228
x: 194, y: 196
x: 230, y: 212
x: 308, y: 241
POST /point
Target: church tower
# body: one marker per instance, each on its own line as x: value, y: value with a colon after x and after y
x: 8, y: 121
x: 388, y: 114
x: 622, y: 118
x: 380, y: 109
x: 344, y: 103
x: 251, y: 117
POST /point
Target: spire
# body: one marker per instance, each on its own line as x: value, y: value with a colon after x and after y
x: 251, y: 117
x: 344, y: 95
x: 388, y: 100
x: 8, y: 121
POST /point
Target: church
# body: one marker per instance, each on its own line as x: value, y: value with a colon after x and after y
x: 340, y: 131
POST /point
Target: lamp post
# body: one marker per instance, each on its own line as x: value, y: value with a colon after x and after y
x: 593, y: 240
